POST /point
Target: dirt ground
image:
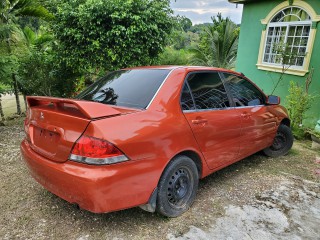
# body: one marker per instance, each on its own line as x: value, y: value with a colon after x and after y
x: 256, y: 198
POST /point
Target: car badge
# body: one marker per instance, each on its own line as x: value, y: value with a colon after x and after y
x: 41, y: 116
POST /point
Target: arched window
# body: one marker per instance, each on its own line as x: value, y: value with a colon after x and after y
x: 287, y: 38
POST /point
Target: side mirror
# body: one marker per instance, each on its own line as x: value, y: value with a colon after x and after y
x: 273, y: 100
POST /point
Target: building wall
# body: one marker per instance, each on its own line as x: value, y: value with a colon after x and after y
x: 248, y: 51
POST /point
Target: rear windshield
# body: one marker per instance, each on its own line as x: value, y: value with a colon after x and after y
x: 127, y: 88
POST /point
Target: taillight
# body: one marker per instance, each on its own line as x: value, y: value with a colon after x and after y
x: 96, y: 151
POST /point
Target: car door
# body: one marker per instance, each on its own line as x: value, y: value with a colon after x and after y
x: 258, y: 125
x: 215, y: 124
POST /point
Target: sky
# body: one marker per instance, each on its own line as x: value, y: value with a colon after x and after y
x: 201, y: 11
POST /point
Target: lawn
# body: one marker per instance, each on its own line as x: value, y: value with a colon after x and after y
x: 9, y: 104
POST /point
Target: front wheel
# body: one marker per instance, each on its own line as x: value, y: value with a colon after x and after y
x: 177, y: 187
x: 282, y: 142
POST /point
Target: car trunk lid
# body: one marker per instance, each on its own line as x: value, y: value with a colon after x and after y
x: 53, y: 125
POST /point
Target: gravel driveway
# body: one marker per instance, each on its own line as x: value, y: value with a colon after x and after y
x: 256, y: 198
x: 291, y: 211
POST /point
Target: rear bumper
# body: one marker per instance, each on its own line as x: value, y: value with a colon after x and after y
x: 95, y: 188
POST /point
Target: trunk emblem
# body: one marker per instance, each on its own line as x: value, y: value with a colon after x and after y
x: 41, y: 116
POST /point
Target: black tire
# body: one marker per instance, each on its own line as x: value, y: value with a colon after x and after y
x: 177, y: 187
x: 282, y: 142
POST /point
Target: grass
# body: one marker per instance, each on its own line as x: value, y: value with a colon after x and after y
x: 9, y: 104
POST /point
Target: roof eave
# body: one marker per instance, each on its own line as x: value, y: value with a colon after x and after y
x: 241, y: 1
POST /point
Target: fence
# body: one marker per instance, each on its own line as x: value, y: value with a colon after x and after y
x: 9, y: 105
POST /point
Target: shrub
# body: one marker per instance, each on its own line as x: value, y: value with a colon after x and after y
x: 299, y: 102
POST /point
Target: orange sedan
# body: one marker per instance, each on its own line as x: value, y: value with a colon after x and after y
x: 145, y: 136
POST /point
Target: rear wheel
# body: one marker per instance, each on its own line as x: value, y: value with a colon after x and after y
x: 177, y: 187
x: 282, y: 142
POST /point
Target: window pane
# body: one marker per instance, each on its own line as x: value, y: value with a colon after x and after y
x: 243, y: 92
x: 186, y: 99
x: 294, y: 51
x: 208, y: 90
x: 278, y: 17
x: 297, y: 41
x: 269, y: 40
x: 299, y: 30
x: 302, y: 50
x: 304, y: 41
x: 292, y: 31
x: 306, y: 31
x: 300, y: 61
x: 127, y: 88
x: 278, y: 58
x: 291, y: 14
x: 270, y: 32
x: 290, y: 41
x: 268, y: 48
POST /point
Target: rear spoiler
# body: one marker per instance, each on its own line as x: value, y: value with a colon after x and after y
x: 90, y: 110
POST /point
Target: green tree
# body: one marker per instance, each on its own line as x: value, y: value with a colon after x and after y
x: 41, y: 71
x: 172, y: 56
x: 218, y: 44
x: 184, y: 23
x: 183, y: 40
x: 98, y: 34
x: 198, y: 28
x: 10, y: 12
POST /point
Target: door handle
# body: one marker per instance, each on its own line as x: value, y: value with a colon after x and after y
x: 199, y: 121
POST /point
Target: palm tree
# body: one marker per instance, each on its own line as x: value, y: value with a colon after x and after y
x: 39, y: 44
x: 10, y: 12
x: 218, y: 45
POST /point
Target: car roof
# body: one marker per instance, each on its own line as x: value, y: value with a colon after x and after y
x: 188, y: 68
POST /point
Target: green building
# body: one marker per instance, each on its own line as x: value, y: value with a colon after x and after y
x: 266, y: 26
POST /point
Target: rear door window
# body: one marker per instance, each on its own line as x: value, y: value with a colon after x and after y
x: 127, y: 88
x: 208, y: 90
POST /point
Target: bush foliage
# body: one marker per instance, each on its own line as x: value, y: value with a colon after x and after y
x: 112, y: 34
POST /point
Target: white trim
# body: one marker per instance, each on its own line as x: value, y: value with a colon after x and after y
x: 154, y: 96
x: 273, y: 68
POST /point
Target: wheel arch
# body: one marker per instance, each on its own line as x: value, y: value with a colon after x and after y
x: 286, y: 121
x: 150, y: 206
x: 194, y: 156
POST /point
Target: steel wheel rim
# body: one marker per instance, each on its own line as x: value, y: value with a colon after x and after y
x: 279, y: 142
x: 179, y: 187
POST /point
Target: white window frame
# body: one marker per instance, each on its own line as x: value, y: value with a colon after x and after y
x: 287, y: 25
x: 298, y: 71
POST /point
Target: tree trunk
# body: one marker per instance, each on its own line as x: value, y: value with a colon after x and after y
x: 25, y: 101
x: 16, y: 92
x: 1, y: 110
x: 15, y: 82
